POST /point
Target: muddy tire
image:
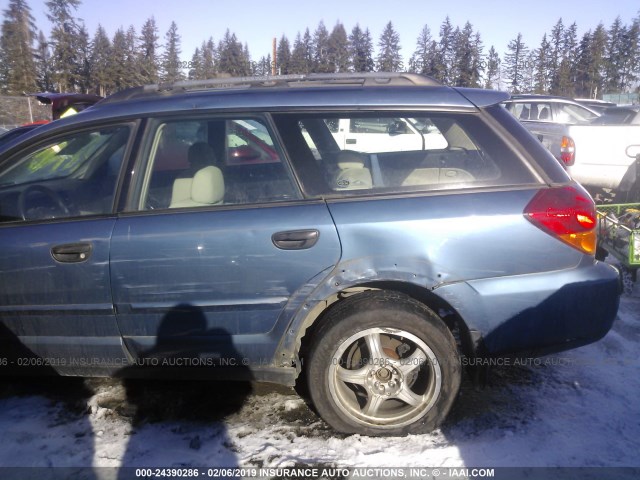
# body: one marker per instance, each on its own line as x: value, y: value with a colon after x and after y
x: 382, y: 363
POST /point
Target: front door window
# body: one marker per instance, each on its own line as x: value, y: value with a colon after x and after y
x: 70, y: 176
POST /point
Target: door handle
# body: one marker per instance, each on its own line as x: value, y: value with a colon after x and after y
x: 295, y: 239
x: 351, y: 141
x: 71, y: 252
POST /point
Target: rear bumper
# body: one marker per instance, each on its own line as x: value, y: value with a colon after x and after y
x: 540, y: 313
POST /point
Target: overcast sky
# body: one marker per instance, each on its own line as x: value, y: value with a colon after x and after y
x: 256, y: 22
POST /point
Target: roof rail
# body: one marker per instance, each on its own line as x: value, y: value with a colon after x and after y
x: 293, y: 81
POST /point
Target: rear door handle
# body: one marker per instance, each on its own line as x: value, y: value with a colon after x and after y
x: 71, y: 252
x: 295, y: 239
x: 351, y: 141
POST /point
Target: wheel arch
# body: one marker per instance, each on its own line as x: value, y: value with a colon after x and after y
x: 466, y: 339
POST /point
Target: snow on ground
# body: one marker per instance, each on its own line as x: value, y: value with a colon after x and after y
x: 579, y: 408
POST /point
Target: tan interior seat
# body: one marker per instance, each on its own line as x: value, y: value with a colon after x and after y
x: 352, y: 173
x: 205, y: 188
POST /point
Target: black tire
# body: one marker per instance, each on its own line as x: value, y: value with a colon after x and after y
x: 407, y: 385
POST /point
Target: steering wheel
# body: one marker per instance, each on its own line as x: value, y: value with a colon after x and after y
x: 46, y: 191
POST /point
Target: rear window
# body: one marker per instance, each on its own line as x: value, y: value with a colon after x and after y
x: 389, y: 152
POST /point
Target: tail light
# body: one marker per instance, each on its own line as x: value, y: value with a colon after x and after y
x: 567, y: 151
x: 567, y: 213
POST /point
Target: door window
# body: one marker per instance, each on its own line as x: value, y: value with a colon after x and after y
x: 214, y: 162
x: 73, y: 175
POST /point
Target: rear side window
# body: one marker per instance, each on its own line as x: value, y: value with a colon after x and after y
x: 390, y: 152
x: 537, y: 111
x: 574, y: 114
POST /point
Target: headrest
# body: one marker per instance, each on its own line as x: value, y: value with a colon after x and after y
x: 201, y: 154
x: 208, y: 186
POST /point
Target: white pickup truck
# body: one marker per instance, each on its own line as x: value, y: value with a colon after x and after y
x: 597, y: 154
x: 378, y: 135
x: 605, y: 156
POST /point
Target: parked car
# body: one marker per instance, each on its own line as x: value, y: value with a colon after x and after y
x: 369, y: 135
x: 137, y: 241
x: 548, y: 117
x: 65, y: 104
x: 62, y: 104
x: 629, y: 115
x: 598, y: 106
x: 606, y: 157
x: 544, y: 108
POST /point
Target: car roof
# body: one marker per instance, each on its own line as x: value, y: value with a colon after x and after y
x: 532, y: 96
x: 312, y: 92
x: 594, y: 101
x: 345, y: 89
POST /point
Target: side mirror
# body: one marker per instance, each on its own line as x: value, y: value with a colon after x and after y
x: 244, y: 153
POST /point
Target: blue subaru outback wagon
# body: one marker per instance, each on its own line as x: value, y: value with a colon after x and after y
x: 365, y: 232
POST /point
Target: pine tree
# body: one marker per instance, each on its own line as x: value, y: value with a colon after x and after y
x: 64, y: 34
x: 493, y: 69
x: 16, y: 42
x: 133, y: 70
x: 298, y: 64
x: 246, y: 58
x: 85, y: 66
x: 308, y: 51
x: 477, y: 62
x: 321, y: 60
x: 361, y: 50
x: 338, y: 45
x: 263, y: 67
x: 556, y: 44
x: 423, y: 58
x: 541, y: 83
x: 171, y: 66
x: 44, y: 72
x: 117, y: 61
x: 597, y: 56
x: 464, y: 54
x: 283, y: 56
x: 444, y: 54
x: 148, y: 53
x: 566, y: 71
x: 515, y: 63
x: 4, y: 71
x: 630, y: 55
x: 528, y: 73
x: 101, y: 74
x: 232, y: 56
x: 208, y: 52
x: 195, y: 70
x: 389, y: 58
x: 613, y: 66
